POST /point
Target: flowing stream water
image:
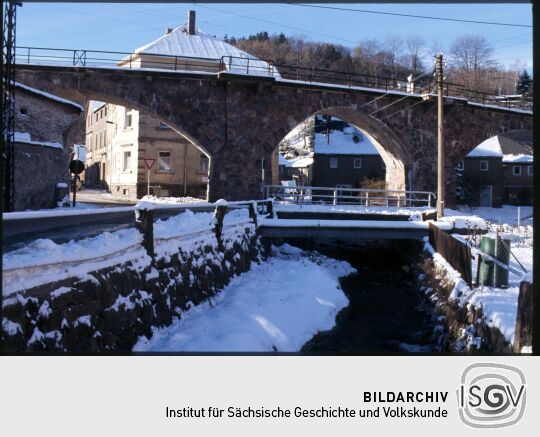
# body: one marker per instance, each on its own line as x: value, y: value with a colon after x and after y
x: 387, y: 312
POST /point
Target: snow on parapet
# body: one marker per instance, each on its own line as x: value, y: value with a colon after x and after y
x: 49, y: 96
x: 491, y: 148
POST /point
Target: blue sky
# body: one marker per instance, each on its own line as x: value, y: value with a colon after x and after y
x: 126, y: 26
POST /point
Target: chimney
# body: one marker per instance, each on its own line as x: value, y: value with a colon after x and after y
x: 191, y: 22
x: 169, y: 30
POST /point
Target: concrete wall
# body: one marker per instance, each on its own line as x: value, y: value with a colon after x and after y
x: 38, y: 168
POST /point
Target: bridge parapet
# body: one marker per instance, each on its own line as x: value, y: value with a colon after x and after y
x: 257, y: 67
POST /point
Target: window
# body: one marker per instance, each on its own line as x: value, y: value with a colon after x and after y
x: 530, y: 170
x: 203, y: 163
x: 516, y: 170
x: 383, y: 166
x: 23, y: 110
x: 484, y: 165
x: 357, y: 163
x: 127, y: 161
x: 164, y: 161
x: 128, y: 119
x: 333, y: 163
x: 460, y: 166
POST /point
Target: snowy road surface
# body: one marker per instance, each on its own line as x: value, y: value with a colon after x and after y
x: 276, y: 306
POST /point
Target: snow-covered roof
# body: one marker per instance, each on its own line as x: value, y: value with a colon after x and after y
x: 517, y: 159
x: 49, y: 96
x: 284, y: 161
x: 342, y: 143
x: 490, y: 148
x: 302, y: 162
x: 24, y: 138
x: 179, y: 42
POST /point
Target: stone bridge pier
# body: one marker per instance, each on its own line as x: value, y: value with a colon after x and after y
x: 240, y: 120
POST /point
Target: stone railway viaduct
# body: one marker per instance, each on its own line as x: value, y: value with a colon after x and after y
x: 238, y: 119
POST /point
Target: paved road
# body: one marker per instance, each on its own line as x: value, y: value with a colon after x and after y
x: 102, y: 198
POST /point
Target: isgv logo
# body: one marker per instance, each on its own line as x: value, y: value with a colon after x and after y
x: 491, y: 395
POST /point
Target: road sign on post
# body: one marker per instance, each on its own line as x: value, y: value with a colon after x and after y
x: 76, y: 167
x: 149, y: 162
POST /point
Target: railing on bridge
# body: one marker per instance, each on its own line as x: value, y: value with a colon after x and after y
x: 100, y: 58
x: 307, y: 195
x: 254, y: 67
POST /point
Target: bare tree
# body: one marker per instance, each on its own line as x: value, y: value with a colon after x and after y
x: 415, y: 52
x: 470, y: 56
x: 393, y: 46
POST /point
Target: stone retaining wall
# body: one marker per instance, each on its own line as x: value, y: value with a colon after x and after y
x: 108, y: 309
x: 466, y: 327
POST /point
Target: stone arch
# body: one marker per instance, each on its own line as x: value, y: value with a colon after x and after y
x: 391, y: 148
x: 136, y: 93
x: 388, y: 144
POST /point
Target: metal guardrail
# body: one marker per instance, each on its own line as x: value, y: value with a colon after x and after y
x: 249, y: 66
x: 307, y: 195
x: 21, y: 228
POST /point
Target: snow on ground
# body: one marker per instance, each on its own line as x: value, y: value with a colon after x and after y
x: 276, y: 306
x: 498, y: 305
x: 466, y: 222
x: 506, y: 214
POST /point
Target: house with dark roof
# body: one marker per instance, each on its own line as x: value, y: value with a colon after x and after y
x: 496, y: 172
x: 517, y: 163
x: 46, y: 129
x: 343, y: 156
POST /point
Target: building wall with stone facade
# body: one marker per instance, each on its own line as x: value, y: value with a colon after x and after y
x: 46, y: 130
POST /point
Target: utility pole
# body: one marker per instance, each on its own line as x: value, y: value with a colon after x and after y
x: 440, y: 139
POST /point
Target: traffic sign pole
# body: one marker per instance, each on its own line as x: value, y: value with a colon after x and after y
x: 149, y: 162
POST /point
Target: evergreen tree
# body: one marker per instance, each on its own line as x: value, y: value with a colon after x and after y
x: 524, y: 83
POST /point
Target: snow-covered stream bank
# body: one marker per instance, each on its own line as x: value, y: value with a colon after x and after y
x: 276, y: 306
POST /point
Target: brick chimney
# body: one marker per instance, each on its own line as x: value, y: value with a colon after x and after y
x: 191, y: 22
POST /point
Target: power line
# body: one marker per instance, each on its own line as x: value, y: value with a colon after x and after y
x: 403, y: 109
x: 388, y: 92
x: 277, y: 24
x: 425, y: 17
